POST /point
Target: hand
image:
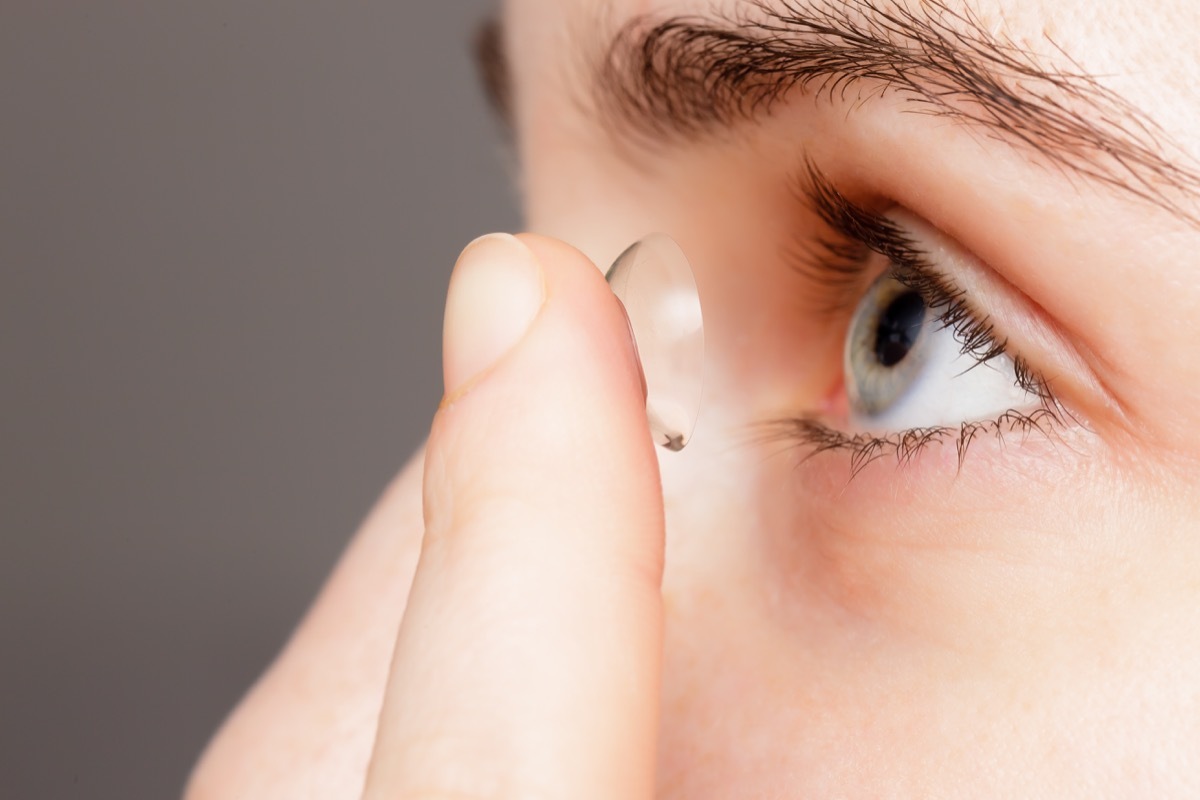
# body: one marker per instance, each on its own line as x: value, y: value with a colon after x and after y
x: 528, y: 660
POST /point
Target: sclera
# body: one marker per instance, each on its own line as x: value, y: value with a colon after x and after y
x: 653, y: 280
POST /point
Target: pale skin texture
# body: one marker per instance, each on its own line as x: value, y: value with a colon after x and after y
x: 1027, y: 626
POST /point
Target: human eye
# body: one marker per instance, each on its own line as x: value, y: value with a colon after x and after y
x: 913, y: 359
x: 920, y: 366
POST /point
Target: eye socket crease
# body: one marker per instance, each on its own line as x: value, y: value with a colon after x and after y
x: 680, y: 78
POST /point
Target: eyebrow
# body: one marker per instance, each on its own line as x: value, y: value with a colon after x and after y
x: 683, y: 77
x: 492, y: 67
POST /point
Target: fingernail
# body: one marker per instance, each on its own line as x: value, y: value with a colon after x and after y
x: 495, y: 293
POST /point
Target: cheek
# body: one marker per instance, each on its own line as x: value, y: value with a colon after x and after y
x: 813, y: 649
x: 830, y: 665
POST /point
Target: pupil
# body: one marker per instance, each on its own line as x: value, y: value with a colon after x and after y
x: 899, y: 326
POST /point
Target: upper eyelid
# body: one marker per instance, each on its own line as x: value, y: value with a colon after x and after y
x: 901, y: 238
x: 888, y: 232
x: 1024, y: 329
x: 1028, y: 330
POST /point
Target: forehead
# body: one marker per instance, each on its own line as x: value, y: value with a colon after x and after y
x: 1143, y: 51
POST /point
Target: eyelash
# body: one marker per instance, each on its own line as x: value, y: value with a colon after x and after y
x: 839, y: 265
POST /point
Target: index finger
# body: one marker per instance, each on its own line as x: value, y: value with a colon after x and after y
x: 528, y: 662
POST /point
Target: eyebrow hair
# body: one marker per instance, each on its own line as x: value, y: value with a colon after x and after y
x: 685, y: 76
x: 492, y: 67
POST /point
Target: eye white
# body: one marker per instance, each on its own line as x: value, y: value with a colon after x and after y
x: 935, y: 384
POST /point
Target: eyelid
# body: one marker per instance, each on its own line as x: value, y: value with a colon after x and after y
x: 1015, y: 323
x: 1027, y: 329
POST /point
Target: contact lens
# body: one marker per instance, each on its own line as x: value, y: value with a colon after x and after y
x: 654, y: 281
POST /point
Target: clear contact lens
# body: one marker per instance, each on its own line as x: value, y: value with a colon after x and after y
x: 654, y: 281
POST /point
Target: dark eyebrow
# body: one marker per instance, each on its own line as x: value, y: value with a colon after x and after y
x: 685, y: 76
x: 491, y: 64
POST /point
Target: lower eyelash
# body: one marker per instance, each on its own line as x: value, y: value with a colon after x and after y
x: 816, y: 437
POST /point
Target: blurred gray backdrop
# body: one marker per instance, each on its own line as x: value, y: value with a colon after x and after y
x: 226, y: 230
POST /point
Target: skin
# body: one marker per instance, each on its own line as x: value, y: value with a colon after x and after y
x: 1022, y: 626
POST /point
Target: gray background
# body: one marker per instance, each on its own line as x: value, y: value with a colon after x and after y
x: 226, y: 230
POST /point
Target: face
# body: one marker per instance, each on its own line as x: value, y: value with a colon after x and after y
x: 937, y: 527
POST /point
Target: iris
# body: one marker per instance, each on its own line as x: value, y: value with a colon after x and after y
x: 898, y: 327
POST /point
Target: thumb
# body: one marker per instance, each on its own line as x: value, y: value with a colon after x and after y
x: 529, y: 656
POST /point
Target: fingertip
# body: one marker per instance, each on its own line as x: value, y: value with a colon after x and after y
x: 570, y: 390
x: 588, y: 279
x: 557, y: 251
x: 496, y: 291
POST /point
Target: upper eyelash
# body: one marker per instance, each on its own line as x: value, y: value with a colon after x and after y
x: 976, y: 334
x: 837, y: 260
x: 863, y: 232
x: 839, y: 265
